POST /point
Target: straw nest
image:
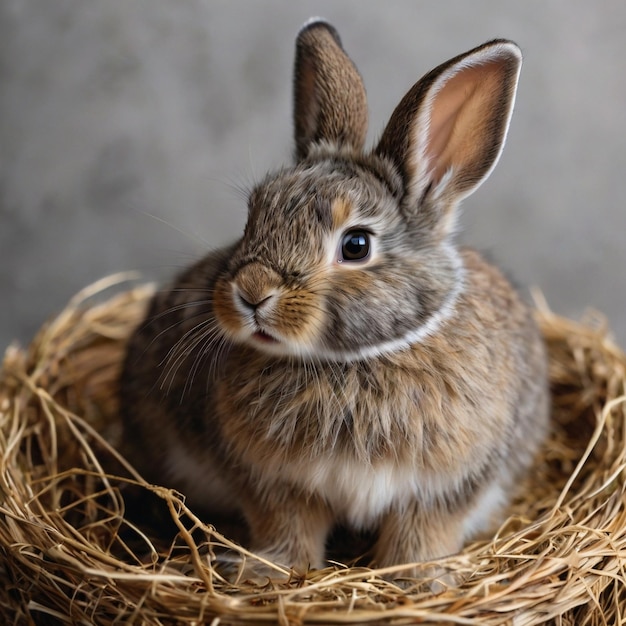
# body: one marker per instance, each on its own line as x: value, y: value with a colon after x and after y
x: 74, y: 550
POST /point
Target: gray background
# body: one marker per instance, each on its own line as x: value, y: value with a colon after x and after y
x: 128, y: 129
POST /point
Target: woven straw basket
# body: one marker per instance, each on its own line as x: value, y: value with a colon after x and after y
x: 73, y: 549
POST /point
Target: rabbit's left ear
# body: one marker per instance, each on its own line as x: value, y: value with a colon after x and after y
x: 329, y: 97
x: 447, y: 133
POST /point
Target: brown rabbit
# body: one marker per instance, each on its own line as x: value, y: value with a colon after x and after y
x: 345, y: 361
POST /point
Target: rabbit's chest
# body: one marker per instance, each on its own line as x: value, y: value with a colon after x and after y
x: 369, y: 413
x: 360, y: 443
x: 275, y: 421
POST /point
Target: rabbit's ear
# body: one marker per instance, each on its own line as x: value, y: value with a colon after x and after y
x: 329, y: 97
x: 447, y: 133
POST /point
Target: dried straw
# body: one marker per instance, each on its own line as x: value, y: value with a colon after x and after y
x: 71, y: 552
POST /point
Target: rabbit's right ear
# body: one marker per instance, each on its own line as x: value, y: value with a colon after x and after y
x: 447, y: 133
x: 329, y: 97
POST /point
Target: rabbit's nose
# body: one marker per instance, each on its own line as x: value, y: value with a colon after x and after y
x: 255, y: 285
x: 250, y: 302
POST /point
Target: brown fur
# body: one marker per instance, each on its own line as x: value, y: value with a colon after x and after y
x: 405, y: 391
x: 329, y: 97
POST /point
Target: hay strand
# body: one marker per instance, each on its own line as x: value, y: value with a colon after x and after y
x: 72, y: 552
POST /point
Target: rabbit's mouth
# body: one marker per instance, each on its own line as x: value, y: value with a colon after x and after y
x: 263, y: 337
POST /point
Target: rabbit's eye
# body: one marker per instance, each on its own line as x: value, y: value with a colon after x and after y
x: 355, y: 245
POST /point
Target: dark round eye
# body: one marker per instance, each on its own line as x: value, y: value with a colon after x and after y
x: 355, y: 245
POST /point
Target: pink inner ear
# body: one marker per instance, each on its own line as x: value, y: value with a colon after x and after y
x: 462, y: 113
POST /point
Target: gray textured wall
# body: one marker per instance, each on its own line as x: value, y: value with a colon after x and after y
x: 126, y: 127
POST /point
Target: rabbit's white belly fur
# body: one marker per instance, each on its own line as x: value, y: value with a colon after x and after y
x: 356, y: 492
x: 362, y: 493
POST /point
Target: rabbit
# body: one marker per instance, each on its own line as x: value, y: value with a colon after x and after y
x: 345, y: 361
